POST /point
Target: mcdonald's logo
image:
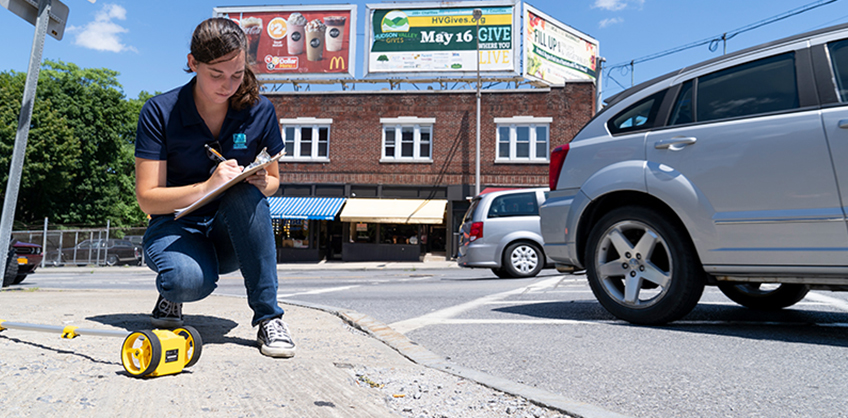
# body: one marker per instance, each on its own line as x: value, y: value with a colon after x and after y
x: 337, y: 63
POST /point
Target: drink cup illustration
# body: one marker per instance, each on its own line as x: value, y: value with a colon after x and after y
x: 296, y: 23
x: 335, y: 32
x: 252, y: 27
x: 315, y: 31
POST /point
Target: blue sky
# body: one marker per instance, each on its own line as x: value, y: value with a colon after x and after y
x: 147, y: 41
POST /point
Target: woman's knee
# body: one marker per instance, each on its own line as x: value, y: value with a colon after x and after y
x: 186, y: 282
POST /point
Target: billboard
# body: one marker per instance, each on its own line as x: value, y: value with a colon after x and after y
x: 441, y: 38
x: 556, y: 53
x: 297, y: 41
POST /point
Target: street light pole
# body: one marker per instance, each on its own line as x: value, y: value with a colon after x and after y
x: 477, y: 14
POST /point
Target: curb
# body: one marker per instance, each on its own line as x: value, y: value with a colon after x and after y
x: 427, y: 358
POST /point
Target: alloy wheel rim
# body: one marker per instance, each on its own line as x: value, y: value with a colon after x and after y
x: 634, y: 264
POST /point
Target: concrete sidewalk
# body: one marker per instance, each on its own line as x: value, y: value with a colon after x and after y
x: 347, y: 365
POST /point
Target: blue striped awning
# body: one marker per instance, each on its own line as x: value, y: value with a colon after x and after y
x: 321, y: 208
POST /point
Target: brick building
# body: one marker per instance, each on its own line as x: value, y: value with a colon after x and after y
x: 408, y: 148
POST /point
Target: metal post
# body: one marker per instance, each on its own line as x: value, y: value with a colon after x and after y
x: 44, y: 245
x: 477, y: 14
x: 599, y: 81
x: 106, y: 241
x: 19, y: 151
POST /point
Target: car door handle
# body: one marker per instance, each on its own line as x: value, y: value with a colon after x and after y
x: 676, y: 143
x: 843, y: 124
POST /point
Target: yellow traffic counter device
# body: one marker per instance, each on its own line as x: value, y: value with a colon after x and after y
x: 151, y: 353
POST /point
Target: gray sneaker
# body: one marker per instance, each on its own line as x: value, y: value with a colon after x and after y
x: 275, y: 339
x: 167, y: 314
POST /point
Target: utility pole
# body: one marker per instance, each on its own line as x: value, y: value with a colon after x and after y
x: 19, y: 150
x: 477, y: 14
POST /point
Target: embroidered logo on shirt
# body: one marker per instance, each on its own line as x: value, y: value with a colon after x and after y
x: 239, y: 141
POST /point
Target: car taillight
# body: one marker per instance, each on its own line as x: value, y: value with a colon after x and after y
x: 476, y: 231
x: 557, y: 160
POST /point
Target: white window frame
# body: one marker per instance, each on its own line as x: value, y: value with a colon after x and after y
x: 513, y: 123
x: 417, y: 124
x: 299, y: 124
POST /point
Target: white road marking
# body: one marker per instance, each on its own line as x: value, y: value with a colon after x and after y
x: 516, y: 322
x: 317, y: 291
x: 840, y: 304
x: 523, y: 302
x: 442, y: 315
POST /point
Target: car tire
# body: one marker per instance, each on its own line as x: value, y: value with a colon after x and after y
x: 642, y: 268
x: 503, y: 274
x: 112, y: 260
x: 11, y: 270
x: 755, y: 296
x: 19, y: 278
x: 522, y: 259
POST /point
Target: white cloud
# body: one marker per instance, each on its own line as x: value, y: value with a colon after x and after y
x: 610, y: 21
x: 103, y: 34
x: 615, y: 5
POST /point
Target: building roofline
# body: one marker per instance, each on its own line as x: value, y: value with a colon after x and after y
x: 419, y: 92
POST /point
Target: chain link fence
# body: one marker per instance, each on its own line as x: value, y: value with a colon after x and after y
x: 64, y: 246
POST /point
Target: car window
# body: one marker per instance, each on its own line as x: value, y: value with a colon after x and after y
x: 518, y: 204
x: 641, y: 115
x: 839, y: 61
x: 766, y: 85
x: 683, y: 109
x: 469, y: 214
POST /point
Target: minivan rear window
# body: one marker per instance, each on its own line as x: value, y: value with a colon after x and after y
x: 518, y: 204
x: 469, y: 214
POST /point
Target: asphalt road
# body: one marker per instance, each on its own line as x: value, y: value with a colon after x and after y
x: 722, y: 360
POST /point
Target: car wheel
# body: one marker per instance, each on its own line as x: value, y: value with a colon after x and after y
x: 764, y: 296
x: 522, y: 259
x: 11, y: 270
x: 642, y: 268
x: 19, y: 278
x: 112, y: 260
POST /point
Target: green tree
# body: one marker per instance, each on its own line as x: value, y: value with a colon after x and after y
x: 79, y: 164
x: 51, y: 154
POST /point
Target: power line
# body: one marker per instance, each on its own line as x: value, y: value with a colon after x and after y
x: 714, y: 41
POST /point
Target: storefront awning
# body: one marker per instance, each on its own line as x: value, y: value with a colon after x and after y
x: 321, y: 208
x: 394, y: 211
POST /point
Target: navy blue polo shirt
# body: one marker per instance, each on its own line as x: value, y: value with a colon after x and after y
x: 170, y: 129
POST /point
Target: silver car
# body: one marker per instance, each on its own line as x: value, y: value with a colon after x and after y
x: 730, y: 172
x: 500, y: 231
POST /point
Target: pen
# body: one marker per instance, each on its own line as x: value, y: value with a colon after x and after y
x: 212, y: 151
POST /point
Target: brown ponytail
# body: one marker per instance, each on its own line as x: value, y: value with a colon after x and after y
x: 216, y: 37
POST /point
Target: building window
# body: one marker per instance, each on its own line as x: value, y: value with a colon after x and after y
x: 407, y: 139
x: 306, y: 139
x: 523, y: 139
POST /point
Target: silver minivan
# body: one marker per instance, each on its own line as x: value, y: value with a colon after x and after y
x: 730, y: 172
x: 500, y: 231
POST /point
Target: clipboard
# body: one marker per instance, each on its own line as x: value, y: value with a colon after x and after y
x: 222, y: 188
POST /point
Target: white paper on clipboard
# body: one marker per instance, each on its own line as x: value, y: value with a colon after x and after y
x: 222, y: 188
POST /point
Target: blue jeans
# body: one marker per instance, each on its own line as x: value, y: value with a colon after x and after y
x: 189, y: 253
